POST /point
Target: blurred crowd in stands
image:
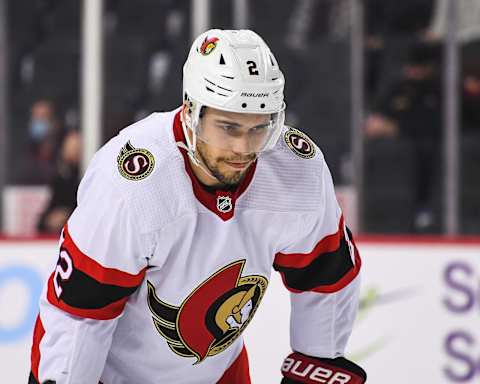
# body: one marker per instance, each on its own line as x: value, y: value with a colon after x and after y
x: 146, y: 42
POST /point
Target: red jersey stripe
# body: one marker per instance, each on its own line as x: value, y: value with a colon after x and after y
x: 238, y: 372
x: 38, y: 333
x: 95, y: 270
x: 329, y: 243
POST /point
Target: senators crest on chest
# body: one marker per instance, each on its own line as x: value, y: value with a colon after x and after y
x: 212, y: 316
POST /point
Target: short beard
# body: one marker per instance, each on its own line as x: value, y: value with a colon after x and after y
x: 225, y: 182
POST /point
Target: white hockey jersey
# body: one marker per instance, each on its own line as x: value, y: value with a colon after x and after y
x: 157, y: 277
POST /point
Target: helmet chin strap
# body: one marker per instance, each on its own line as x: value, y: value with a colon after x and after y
x: 191, y: 147
x: 192, y: 155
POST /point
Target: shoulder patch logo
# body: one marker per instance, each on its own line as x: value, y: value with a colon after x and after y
x: 213, y: 316
x: 135, y: 163
x: 299, y: 143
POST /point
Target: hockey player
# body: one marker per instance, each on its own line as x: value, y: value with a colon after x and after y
x: 180, y: 219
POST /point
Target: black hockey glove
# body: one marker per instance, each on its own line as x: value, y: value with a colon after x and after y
x: 298, y: 369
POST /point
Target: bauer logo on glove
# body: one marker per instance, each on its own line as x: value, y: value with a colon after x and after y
x: 298, y: 368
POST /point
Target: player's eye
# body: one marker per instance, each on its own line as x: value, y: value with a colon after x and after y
x: 260, y: 129
x: 229, y: 129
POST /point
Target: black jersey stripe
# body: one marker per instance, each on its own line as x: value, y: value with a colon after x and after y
x: 327, y: 269
x: 82, y: 291
x: 83, y: 287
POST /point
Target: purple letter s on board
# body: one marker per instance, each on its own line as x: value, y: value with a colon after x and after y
x: 456, y: 285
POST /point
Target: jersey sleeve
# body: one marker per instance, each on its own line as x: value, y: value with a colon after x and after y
x: 102, y: 260
x: 321, y: 269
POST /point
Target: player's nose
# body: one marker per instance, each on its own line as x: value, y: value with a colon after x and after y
x: 241, y: 145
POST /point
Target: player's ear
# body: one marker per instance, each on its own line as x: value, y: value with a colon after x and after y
x: 186, y: 112
x: 186, y: 108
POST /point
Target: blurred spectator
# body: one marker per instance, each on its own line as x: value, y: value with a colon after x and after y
x: 43, y: 121
x: 44, y: 134
x: 63, y: 186
x: 412, y: 108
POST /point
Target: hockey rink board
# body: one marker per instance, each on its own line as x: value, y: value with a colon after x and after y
x: 418, y: 322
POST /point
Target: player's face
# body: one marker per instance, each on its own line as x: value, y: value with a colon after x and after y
x: 228, y: 143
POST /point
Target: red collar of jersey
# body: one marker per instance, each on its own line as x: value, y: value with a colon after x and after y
x: 222, y: 203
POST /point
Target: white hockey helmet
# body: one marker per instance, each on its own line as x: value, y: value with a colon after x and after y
x: 234, y: 71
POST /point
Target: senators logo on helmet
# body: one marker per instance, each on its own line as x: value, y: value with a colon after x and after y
x: 213, y: 316
x: 208, y: 45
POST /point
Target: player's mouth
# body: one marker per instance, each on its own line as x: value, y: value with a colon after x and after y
x: 238, y: 165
